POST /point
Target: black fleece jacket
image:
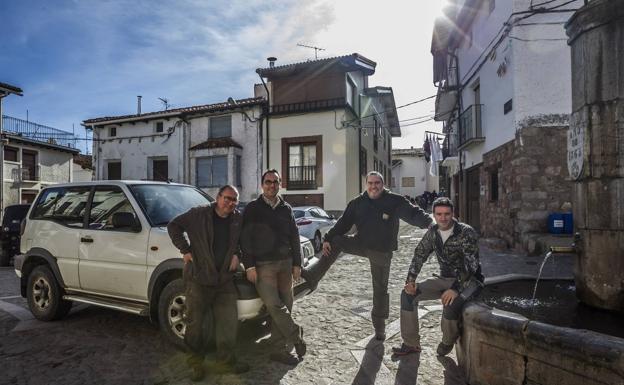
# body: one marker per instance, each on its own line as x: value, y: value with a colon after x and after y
x: 377, y: 220
x: 269, y: 234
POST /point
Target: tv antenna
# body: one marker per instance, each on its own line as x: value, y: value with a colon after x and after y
x: 316, y: 49
x: 165, y: 103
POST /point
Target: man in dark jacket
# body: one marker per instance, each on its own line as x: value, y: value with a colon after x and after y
x: 460, y: 279
x: 272, y: 258
x: 375, y: 214
x: 210, y: 260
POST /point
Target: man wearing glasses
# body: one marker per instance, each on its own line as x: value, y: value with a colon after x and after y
x: 210, y: 260
x: 272, y: 259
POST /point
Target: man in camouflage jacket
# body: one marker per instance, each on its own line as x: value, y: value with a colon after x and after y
x: 460, y: 279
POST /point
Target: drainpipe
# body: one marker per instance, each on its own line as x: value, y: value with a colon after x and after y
x: 268, y: 112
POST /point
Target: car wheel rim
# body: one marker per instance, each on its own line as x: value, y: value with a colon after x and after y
x: 177, y: 315
x: 41, y: 293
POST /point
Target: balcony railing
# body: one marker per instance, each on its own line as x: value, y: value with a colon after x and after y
x: 470, y: 126
x: 38, y: 132
x: 308, y: 106
x: 301, y: 177
x: 26, y: 174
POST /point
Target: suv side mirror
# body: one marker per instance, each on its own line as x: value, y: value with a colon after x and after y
x: 126, y: 220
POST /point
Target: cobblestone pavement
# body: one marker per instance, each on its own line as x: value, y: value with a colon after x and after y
x: 94, y: 345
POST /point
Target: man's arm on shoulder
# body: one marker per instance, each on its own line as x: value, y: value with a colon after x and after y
x: 422, y: 252
x: 177, y: 227
x: 413, y: 215
x: 344, y: 223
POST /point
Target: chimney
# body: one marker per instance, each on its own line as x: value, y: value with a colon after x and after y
x: 139, y: 104
x: 272, y: 61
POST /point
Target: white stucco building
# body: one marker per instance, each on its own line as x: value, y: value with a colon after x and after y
x: 207, y: 146
x: 410, y: 173
x: 327, y: 128
x: 503, y: 73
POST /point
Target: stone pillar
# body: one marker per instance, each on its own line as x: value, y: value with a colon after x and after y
x: 596, y: 150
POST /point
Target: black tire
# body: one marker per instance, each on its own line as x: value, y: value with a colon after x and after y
x: 317, y: 242
x: 171, y: 308
x: 45, y: 295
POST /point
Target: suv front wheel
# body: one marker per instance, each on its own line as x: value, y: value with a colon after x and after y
x: 171, y: 312
x: 45, y: 295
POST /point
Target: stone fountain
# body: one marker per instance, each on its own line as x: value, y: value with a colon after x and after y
x: 502, y: 347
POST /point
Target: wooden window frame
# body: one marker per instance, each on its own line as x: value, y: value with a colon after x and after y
x: 303, y: 140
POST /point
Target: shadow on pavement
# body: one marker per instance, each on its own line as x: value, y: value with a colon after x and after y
x: 407, y: 374
x: 453, y: 374
x: 371, y: 363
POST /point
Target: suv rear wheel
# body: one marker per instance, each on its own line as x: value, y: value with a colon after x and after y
x: 171, y: 312
x: 45, y: 295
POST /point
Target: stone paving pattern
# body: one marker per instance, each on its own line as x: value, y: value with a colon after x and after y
x: 94, y: 345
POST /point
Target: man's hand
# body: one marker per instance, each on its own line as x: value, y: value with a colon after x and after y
x: 296, y: 273
x: 448, y: 297
x: 410, y: 288
x: 188, y: 257
x: 252, y: 275
x: 326, y: 248
x: 235, y: 262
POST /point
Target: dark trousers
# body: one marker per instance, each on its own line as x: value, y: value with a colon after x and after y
x: 220, y: 303
x: 379, y: 267
x: 274, y: 285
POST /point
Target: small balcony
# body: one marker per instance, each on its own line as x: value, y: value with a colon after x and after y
x: 471, y: 131
x: 26, y: 174
x: 308, y: 106
x: 301, y: 177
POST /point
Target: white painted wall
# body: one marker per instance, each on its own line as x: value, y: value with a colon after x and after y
x: 54, y: 167
x: 134, y: 145
x: 417, y: 167
x: 535, y: 74
x: 81, y: 174
x: 335, y: 166
x: 137, y: 154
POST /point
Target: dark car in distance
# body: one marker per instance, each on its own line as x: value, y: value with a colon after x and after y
x: 10, y: 232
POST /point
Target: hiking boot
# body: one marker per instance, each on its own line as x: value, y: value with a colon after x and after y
x: 197, y: 373
x: 404, y: 350
x: 284, y: 358
x: 300, y: 345
x: 444, y: 349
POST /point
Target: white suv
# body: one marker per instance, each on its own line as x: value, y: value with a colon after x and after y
x: 105, y: 243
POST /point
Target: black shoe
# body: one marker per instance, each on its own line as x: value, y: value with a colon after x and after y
x: 197, y: 373
x: 300, y: 345
x: 284, y: 358
x: 444, y: 349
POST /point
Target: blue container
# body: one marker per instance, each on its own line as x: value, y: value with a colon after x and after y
x: 555, y: 223
x: 568, y: 223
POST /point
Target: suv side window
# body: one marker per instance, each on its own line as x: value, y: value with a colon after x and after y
x: 108, y: 201
x: 63, y: 205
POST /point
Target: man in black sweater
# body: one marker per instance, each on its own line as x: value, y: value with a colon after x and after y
x: 210, y: 260
x: 272, y: 258
x: 375, y: 214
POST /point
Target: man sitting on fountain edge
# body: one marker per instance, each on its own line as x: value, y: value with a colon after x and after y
x: 460, y: 279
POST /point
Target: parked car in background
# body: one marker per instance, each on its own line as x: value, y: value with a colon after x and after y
x: 313, y: 222
x: 105, y: 243
x: 10, y: 232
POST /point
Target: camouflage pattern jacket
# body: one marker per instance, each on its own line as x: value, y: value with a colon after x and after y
x: 458, y: 256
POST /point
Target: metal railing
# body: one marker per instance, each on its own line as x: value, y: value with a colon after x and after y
x: 302, y: 177
x: 308, y: 106
x: 25, y: 173
x: 470, y: 125
x: 38, y: 132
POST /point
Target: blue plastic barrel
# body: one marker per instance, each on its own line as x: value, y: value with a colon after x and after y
x: 555, y: 223
x: 568, y: 223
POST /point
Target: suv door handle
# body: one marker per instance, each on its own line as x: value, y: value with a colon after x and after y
x: 86, y: 239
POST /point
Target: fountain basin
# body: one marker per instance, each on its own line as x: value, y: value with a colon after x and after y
x: 503, y: 347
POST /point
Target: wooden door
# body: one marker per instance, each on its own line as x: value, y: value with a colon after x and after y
x: 473, y: 188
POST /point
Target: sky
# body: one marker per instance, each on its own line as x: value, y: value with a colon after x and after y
x: 81, y: 59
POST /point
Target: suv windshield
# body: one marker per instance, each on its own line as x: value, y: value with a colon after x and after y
x: 162, y: 203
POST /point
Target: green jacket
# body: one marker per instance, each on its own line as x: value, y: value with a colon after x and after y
x: 458, y: 256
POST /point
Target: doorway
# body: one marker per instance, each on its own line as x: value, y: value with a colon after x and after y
x: 473, y: 194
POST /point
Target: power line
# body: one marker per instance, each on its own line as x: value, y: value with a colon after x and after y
x: 386, y: 111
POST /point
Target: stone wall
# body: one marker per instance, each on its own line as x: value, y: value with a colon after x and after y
x: 532, y: 182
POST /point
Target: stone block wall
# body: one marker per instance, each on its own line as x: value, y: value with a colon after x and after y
x: 532, y: 182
